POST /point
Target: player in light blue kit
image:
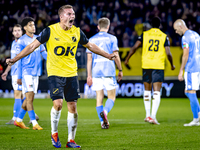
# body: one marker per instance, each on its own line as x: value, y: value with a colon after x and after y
x: 16, y: 83
x: 17, y: 33
x: 101, y: 71
x: 29, y: 70
x: 191, y: 64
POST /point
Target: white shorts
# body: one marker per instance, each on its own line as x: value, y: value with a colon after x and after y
x: 29, y: 83
x: 14, y: 83
x: 192, y: 80
x: 109, y: 83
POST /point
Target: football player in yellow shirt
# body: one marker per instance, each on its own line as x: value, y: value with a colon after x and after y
x: 62, y: 41
x: 155, y: 47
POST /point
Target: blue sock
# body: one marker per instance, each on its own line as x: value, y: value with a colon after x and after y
x: 17, y: 106
x: 99, y: 110
x: 23, y: 99
x: 31, y: 114
x: 109, y: 105
x: 22, y: 113
x: 199, y: 109
x: 199, y: 106
x: 193, y: 103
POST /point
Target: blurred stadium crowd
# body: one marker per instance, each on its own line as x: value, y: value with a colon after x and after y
x: 128, y: 17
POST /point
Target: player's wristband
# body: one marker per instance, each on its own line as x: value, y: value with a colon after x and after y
x: 120, y: 70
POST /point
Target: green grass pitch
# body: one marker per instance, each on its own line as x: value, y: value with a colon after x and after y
x: 127, y: 131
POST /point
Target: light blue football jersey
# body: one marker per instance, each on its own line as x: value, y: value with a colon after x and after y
x: 191, y: 39
x: 101, y: 66
x: 13, y: 54
x: 31, y: 64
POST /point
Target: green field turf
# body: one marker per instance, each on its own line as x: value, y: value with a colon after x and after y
x: 127, y: 131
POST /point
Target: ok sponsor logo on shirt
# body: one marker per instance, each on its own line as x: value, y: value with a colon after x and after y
x: 60, y: 50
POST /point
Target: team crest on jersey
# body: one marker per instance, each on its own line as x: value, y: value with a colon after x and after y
x: 74, y: 39
x: 57, y: 39
x: 55, y: 91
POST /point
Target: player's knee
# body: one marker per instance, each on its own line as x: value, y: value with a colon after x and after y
x: 58, y: 104
x: 72, y: 107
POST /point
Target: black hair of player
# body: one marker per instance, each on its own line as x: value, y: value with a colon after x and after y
x: 26, y: 20
x: 155, y: 22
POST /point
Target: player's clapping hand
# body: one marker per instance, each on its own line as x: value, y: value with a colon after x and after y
x: 89, y: 80
x: 9, y: 62
x: 4, y: 75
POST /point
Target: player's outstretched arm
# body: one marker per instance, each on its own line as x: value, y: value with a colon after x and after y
x: 169, y: 57
x: 132, y: 51
x: 4, y: 75
x: 26, y: 51
x: 119, y: 66
x: 89, y: 69
x: 95, y: 49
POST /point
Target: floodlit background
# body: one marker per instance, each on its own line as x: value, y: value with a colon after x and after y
x: 129, y: 18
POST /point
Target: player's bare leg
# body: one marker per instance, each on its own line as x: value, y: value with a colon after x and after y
x: 147, y: 100
x: 156, y: 101
x: 55, y: 117
x: 72, y: 121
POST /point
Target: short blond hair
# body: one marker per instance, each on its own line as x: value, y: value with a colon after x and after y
x: 103, y: 22
x: 61, y: 9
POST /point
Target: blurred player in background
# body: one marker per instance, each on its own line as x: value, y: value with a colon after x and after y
x: 155, y: 46
x: 17, y: 33
x: 191, y: 64
x: 29, y: 70
x: 101, y: 71
x: 62, y: 40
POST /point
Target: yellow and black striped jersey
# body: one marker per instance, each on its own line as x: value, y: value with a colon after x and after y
x: 61, y: 49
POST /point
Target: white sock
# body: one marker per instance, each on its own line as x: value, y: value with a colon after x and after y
x: 14, y: 118
x: 155, y: 103
x: 147, y: 102
x: 55, y: 117
x: 196, y: 119
x: 72, y: 120
x: 34, y: 122
x: 19, y: 120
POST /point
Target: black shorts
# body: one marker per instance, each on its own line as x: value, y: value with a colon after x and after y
x: 153, y: 75
x: 64, y: 86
